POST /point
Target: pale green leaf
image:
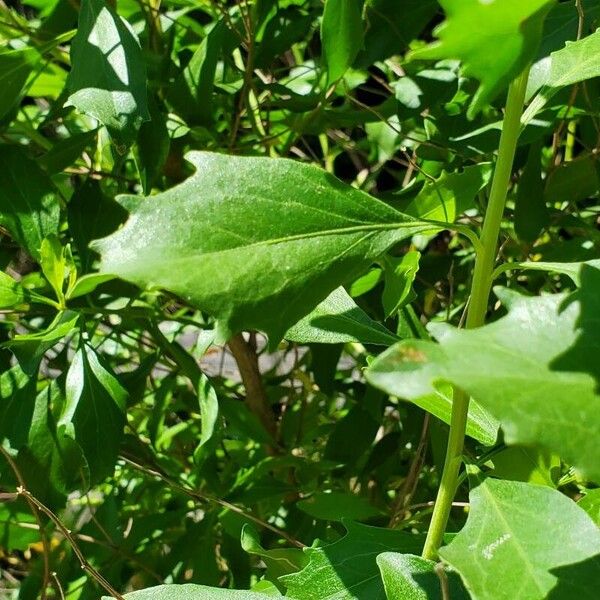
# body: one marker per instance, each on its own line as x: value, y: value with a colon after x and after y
x: 259, y: 250
x: 532, y: 370
x: 576, y: 62
x: 494, y: 39
x: 190, y: 591
x: 400, y: 272
x: 11, y: 292
x: 525, y: 541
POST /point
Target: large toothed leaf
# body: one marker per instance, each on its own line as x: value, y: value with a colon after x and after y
x: 347, y: 569
x: 256, y: 242
x: 534, y: 370
x: 494, y: 40
x: 108, y: 75
x: 524, y: 541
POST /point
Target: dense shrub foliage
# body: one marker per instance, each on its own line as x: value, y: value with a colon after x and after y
x: 299, y: 299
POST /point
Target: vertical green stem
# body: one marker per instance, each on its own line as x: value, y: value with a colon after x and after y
x: 478, y: 301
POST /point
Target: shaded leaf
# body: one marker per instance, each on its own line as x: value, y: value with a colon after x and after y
x: 191, y: 93
x: 337, y: 506
x: 338, y: 320
x: 507, y: 539
x: 29, y: 206
x: 400, y: 272
x: 15, y: 68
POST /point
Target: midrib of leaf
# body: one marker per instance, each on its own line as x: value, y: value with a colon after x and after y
x: 190, y: 255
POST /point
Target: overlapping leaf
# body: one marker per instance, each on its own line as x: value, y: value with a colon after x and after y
x: 347, y: 569
x: 495, y: 53
x: 533, y: 370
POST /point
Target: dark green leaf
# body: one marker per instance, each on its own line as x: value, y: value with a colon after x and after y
x: 531, y: 213
x: 65, y: 152
x: 347, y: 569
x: 29, y: 206
x: 338, y: 320
x: 94, y: 411
x: 15, y: 68
x: 191, y: 93
x: 108, y: 75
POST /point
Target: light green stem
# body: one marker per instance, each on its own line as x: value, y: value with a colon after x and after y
x: 478, y: 302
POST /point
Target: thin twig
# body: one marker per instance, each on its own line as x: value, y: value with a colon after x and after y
x: 38, y: 518
x: 199, y: 496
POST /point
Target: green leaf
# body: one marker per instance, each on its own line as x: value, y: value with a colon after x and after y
x: 389, y: 31
x: 347, y: 569
x: 65, y: 152
x: 527, y: 464
x: 450, y: 195
x: 190, y: 591
x: 51, y: 452
x: 92, y: 215
x: 57, y: 264
x: 576, y: 62
x: 88, y: 283
x: 191, y: 93
x: 29, y: 206
x: 409, y: 577
x: 15, y: 68
x: 30, y: 348
x: 507, y: 539
x: 494, y: 40
x: 572, y: 270
x: 572, y: 181
x: 152, y: 148
x: 591, y: 504
x: 279, y: 561
x: 94, y: 411
x: 481, y: 425
x: 400, y: 272
x: 11, y: 291
x: 336, y: 506
x: 341, y: 35
x: 338, y: 320
x: 310, y: 233
x: 531, y: 212
x: 108, y: 75
x: 532, y: 370
x: 209, y: 408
